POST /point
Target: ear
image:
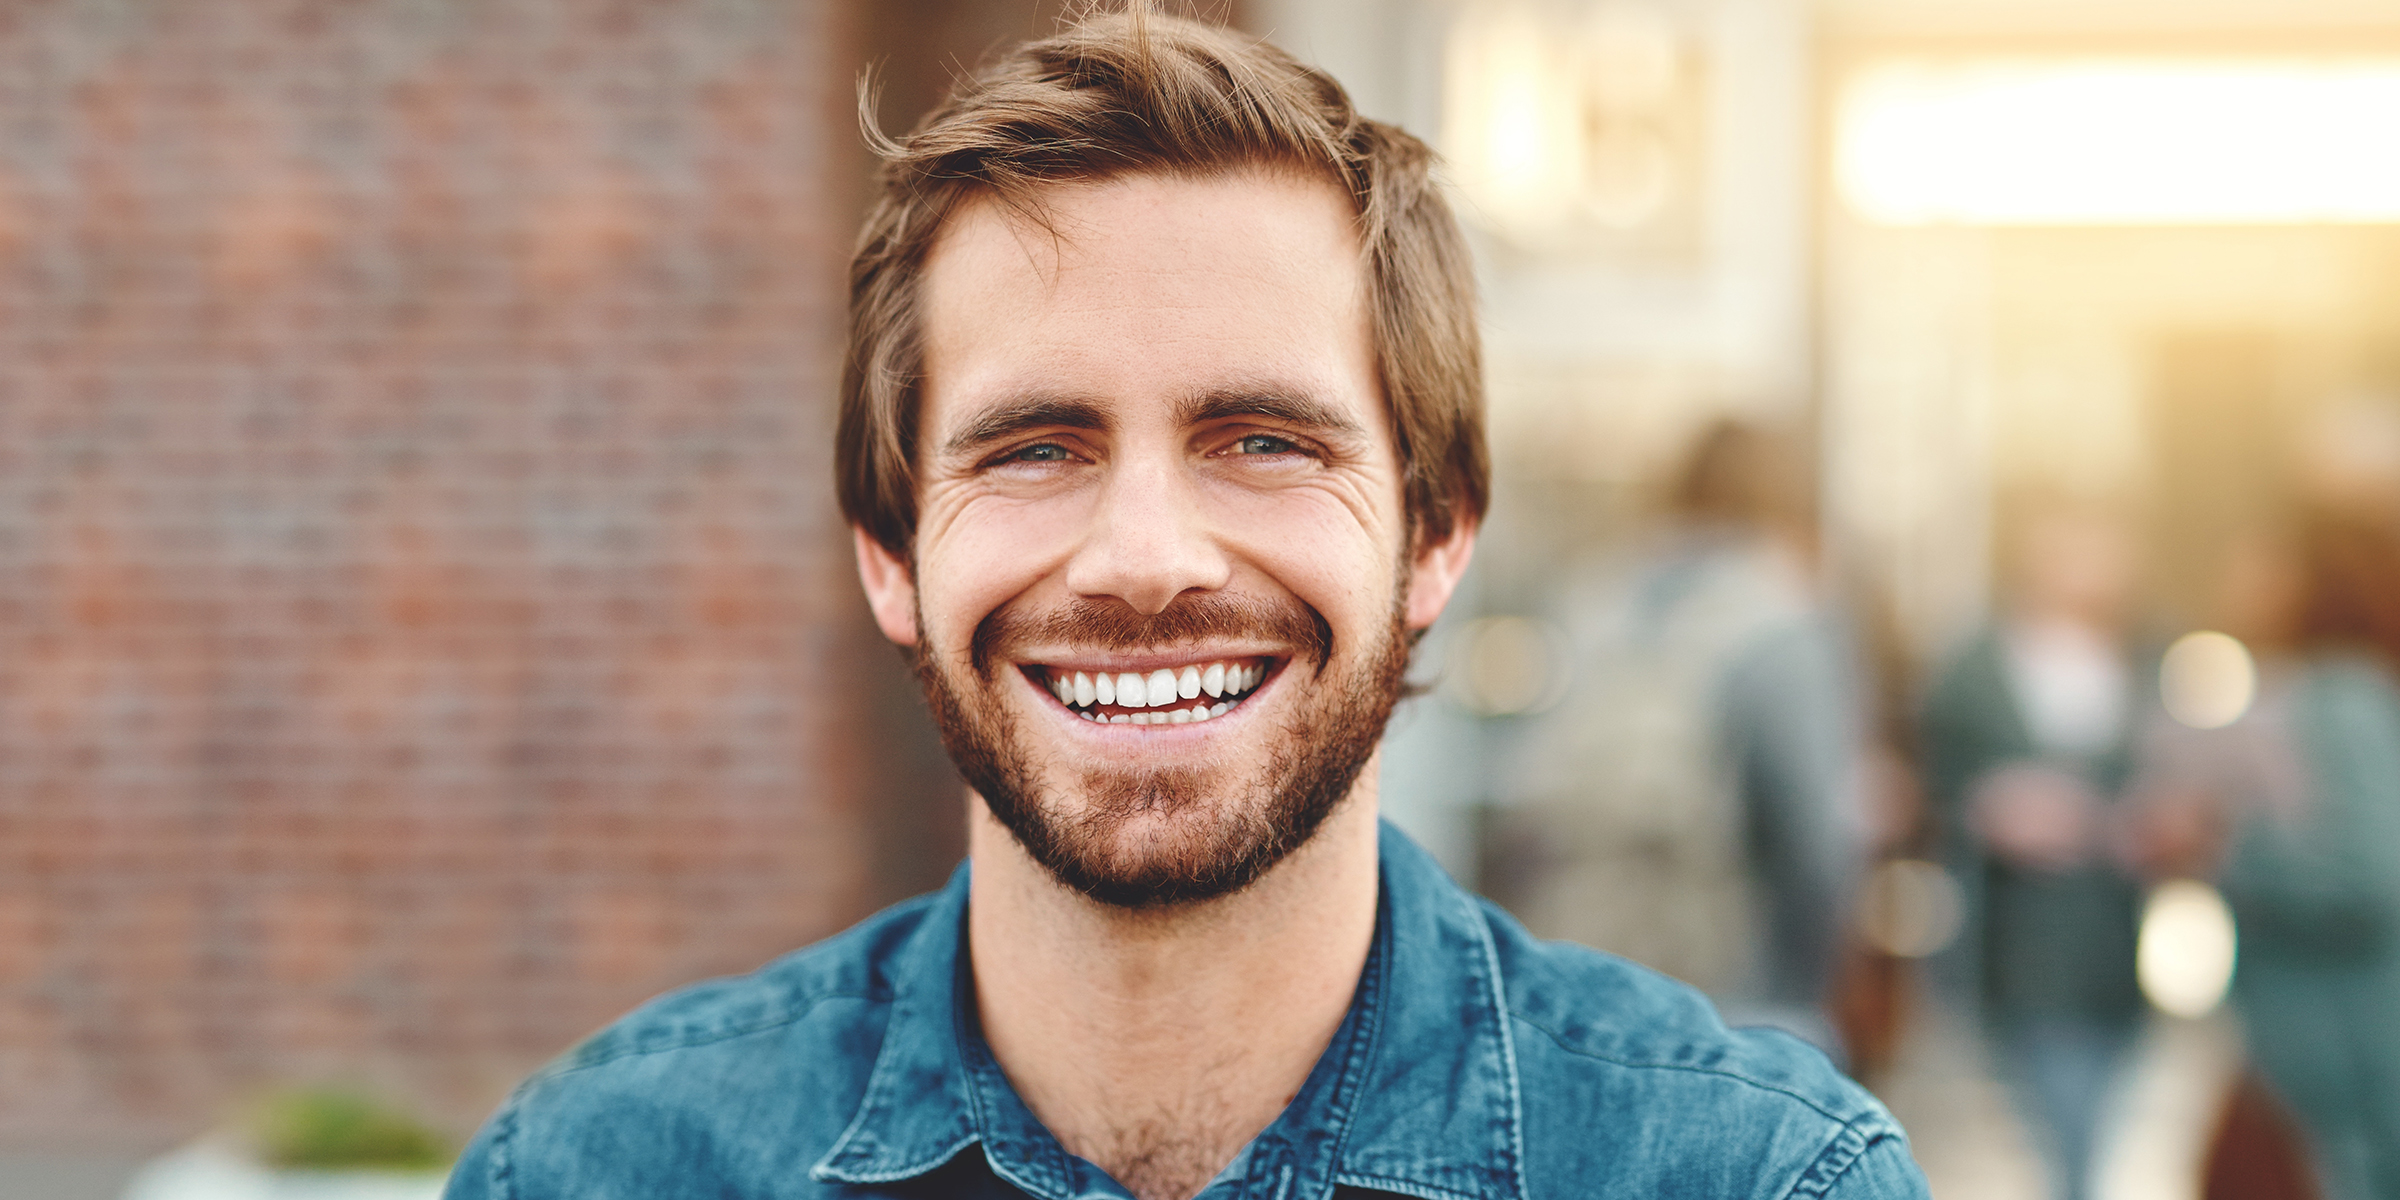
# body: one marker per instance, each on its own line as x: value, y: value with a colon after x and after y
x: 891, y: 590
x: 1435, y: 572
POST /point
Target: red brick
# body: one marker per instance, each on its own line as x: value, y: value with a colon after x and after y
x: 422, y: 615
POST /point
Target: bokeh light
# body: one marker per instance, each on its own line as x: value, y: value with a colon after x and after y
x: 1508, y: 666
x: 2207, y: 680
x: 2187, y: 948
x: 1910, y: 908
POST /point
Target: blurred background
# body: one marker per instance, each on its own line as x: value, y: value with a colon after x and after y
x: 1939, y: 597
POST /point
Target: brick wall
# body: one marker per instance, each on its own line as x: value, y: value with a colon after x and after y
x: 423, y: 627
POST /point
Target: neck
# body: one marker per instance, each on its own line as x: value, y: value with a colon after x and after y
x: 1156, y: 1044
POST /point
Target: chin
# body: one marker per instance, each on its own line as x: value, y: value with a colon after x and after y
x: 1160, y: 839
x: 1187, y: 827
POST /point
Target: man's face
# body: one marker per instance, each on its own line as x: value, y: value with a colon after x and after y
x: 1162, y: 580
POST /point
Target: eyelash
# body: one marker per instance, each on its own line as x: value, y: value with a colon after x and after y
x: 1043, y: 453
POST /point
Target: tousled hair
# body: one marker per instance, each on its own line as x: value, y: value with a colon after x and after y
x: 1136, y: 92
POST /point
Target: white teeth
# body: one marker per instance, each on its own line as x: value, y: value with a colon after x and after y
x: 1229, y: 682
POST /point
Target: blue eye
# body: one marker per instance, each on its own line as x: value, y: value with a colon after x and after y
x: 1263, y: 443
x: 1046, y: 452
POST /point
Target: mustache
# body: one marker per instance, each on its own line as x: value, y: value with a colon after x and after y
x: 1114, y: 625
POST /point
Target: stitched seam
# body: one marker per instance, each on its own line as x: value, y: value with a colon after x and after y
x: 1508, y: 1047
x: 504, y: 1167
x: 1345, y: 1094
x: 910, y: 1171
x: 866, y: 1104
x: 711, y: 1037
x: 1842, y: 1141
x: 1405, y: 1187
x: 1760, y: 1084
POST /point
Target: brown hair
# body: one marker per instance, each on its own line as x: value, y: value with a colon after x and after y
x: 1136, y: 92
x: 1744, y: 474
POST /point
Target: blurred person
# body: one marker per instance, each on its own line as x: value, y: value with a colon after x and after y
x: 1692, y: 802
x: 1161, y: 443
x: 2346, y: 467
x: 2028, y: 746
x: 2295, y: 809
x: 2346, y: 459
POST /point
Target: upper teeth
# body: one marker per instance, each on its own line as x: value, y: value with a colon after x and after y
x: 1228, y: 679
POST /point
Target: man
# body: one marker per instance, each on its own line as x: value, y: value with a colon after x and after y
x: 1161, y: 441
x: 1692, y: 800
x: 2029, y: 741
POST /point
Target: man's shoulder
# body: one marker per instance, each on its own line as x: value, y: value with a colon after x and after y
x: 746, y: 1077
x: 852, y: 965
x: 1624, y: 1068
x: 1617, y: 1015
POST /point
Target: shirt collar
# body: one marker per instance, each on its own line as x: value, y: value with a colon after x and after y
x: 1416, y: 1094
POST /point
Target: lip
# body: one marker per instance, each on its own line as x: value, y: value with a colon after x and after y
x: 1143, y: 664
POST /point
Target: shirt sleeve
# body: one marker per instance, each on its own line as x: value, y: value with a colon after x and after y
x: 1883, y: 1171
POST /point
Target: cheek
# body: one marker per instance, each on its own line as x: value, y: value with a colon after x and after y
x: 1315, y: 545
x: 985, y: 553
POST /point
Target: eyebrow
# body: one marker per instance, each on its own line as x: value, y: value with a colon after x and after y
x: 1294, y: 408
x: 1014, y: 417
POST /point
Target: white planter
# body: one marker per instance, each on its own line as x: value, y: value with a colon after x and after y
x: 211, y: 1170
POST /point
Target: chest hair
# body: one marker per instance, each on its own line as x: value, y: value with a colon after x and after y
x: 1170, y: 1155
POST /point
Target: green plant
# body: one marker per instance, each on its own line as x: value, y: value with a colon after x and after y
x: 337, y: 1129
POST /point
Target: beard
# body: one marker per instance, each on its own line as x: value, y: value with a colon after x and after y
x: 1169, y: 836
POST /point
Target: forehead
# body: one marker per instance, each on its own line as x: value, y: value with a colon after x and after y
x: 1149, y: 287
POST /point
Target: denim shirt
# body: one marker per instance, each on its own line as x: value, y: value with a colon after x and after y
x: 1474, y: 1064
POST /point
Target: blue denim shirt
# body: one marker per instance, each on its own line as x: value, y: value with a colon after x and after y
x: 1474, y: 1064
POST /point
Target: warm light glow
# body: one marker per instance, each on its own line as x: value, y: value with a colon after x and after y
x: 2207, y: 680
x: 2122, y: 142
x: 1551, y: 121
x: 1910, y: 908
x: 1504, y: 666
x: 2186, y: 954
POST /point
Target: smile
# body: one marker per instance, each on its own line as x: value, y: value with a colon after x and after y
x: 1167, y: 696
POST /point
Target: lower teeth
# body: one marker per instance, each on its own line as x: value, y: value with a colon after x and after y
x: 1178, y: 716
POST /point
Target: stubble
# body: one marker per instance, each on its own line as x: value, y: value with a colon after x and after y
x: 1154, y: 838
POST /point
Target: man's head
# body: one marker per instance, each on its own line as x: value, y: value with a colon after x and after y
x: 2069, y: 556
x: 1161, y: 434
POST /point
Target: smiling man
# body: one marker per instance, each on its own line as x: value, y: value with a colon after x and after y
x: 1161, y: 441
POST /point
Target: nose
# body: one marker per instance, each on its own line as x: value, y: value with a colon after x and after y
x: 1149, y: 539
